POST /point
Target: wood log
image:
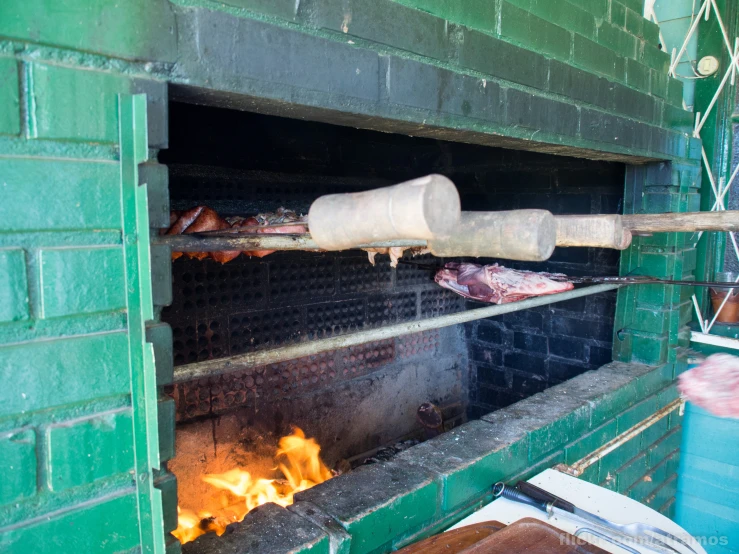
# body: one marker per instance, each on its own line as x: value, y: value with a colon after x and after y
x: 525, y: 235
x: 598, y: 231
x: 423, y: 208
x: 682, y: 222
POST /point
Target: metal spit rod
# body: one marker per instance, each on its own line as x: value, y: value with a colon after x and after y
x: 240, y: 362
x: 199, y: 243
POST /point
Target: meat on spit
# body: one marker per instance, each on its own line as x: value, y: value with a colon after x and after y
x: 202, y: 218
x: 497, y: 284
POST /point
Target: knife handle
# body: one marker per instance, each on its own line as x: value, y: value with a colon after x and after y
x: 547, y: 497
x: 515, y: 495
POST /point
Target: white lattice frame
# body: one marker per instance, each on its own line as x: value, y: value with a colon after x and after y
x: 721, y: 188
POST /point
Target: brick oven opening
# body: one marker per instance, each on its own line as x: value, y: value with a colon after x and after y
x: 365, y: 402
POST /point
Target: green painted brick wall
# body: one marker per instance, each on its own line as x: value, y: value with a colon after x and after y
x: 63, y: 322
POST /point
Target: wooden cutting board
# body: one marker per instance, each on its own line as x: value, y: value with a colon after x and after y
x: 454, y: 541
x: 527, y: 535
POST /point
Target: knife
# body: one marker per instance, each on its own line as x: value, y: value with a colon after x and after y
x: 541, y: 499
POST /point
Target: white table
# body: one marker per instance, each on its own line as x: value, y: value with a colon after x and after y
x: 592, y: 498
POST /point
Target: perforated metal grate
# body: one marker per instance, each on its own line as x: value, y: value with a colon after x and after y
x: 439, y: 302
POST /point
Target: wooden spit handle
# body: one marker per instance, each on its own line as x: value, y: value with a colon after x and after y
x: 525, y: 235
x: 599, y: 231
x: 423, y: 208
x: 689, y: 222
x: 615, y: 231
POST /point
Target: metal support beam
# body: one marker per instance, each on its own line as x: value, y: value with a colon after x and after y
x: 240, y: 362
x: 196, y: 243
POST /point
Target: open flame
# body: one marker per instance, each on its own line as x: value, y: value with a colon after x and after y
x: 299, y: 461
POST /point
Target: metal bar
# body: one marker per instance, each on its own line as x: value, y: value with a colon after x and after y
x: 240, y: 362
x: 195, y: 243
x: 580, y: 466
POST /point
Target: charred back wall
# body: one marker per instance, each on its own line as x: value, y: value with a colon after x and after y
x: 359, y: 398
x: 519, y: 354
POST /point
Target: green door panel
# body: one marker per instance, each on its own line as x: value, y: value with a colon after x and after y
x: 79, y: 441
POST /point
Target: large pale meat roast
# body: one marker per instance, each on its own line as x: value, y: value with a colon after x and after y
x: 713, y: 385
x: 497, y: 284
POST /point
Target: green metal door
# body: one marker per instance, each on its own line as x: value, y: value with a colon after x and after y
x: 78, y: 411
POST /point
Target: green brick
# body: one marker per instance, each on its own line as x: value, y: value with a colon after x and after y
x: 611, y: 462
x: 373, y: 518
x: 675, y: 92
x: 617, y: 13
x: 559, y: 432
x: 85, y: 195
x: 655, y: 432
x: 571, y: 18
x: 632, y: 471
x: 81, y: 280
x: 469, y: 458
x: 608, y: 405
x: 13, y: 285
x: 477, y: 14
x: 590, y: 442
x: 166, y: 422
x: 636, y: 414
x: 665, y: 493
x: 649, y: 350
x: 89, y: 449
x: 638, y: 76
x: 99, y: 527
x: 76, y: 105
x: 599, y: 8
x: 651, y: 32
x: 10, y: 118
x: 167, y: 483
x: 636, y: 6
x: 659, y: 83
x: 384, y: 22
x: 678, y: 119
x: 160, y: 336
x: 634, y: 23
x: 650, y: 320
x: 285, y: 9
x: 136, y: 29
x: 618, y: 40
x: 655, y: 58
x: 597, y: 58
x: 18, y: 465
x: 533, y: 32
x: 63, y: 371
x: 664, y: 447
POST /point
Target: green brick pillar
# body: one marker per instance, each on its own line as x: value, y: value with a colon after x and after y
x: 651, y: 320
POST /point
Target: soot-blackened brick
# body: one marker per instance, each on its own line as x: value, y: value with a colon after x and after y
x: 489, y: 332
x: 530, y: 343
x: 526, y: 363
x: 600, y: 356
x: 582, y: 328
x: 562, y: 370
x: 487, y: 355
x: 526, y: 318
x: 496, y: 398
x: 528, y: 385
x: 491, y: 376
x: 566, y: 348
x: 574, y: 305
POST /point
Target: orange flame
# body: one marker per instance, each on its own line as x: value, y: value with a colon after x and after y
x: 300, y: 463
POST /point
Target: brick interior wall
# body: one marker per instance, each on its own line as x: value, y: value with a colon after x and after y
x: 252, y: 304
x: 518, y: 354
